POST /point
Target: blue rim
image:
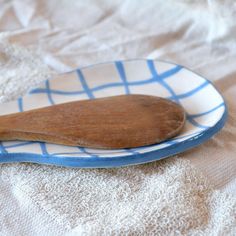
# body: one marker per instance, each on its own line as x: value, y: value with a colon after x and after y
x: 136, y: 158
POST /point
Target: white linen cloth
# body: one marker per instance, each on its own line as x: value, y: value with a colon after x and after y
x: 166, y: 197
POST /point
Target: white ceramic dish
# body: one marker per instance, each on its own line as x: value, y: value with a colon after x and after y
x: 205, y: 108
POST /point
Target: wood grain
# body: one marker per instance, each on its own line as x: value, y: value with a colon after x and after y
x: 114, y: 122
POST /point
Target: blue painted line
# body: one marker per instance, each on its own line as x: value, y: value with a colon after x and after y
x: 154, y: 73
x: 100, y: 87
x: 59, y: 92
x: 104, y: 86
x: 152, y: 68
x: 20, y: 104
x: 195, y: 123
x: 207, y: 112
x: 52, y: 91
x: 83, y: 150
x: 2, y: 149
x: 169, y: 73
x: 43, y: 148
x: 141, y: 82
x: 121, y: 71
x: 84, y: 84
x: 190, y: 93
x: 110, y: 85
x: 48, y: 92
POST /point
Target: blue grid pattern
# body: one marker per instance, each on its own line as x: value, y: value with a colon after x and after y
x: 2, y: 148
x: 156, y: 77
x: 48, y: 91
x: 174, y: 97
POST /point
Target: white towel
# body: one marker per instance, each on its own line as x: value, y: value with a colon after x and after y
x: 162, y: 198
x: 169, y: 197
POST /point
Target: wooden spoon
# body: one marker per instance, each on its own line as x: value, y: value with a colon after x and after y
x: 113, y: 122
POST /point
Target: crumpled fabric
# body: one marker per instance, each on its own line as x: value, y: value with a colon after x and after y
x: 161, y: 198
x: 40, y: 38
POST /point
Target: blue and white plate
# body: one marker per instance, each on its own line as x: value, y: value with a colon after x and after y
x: 205, y: 107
